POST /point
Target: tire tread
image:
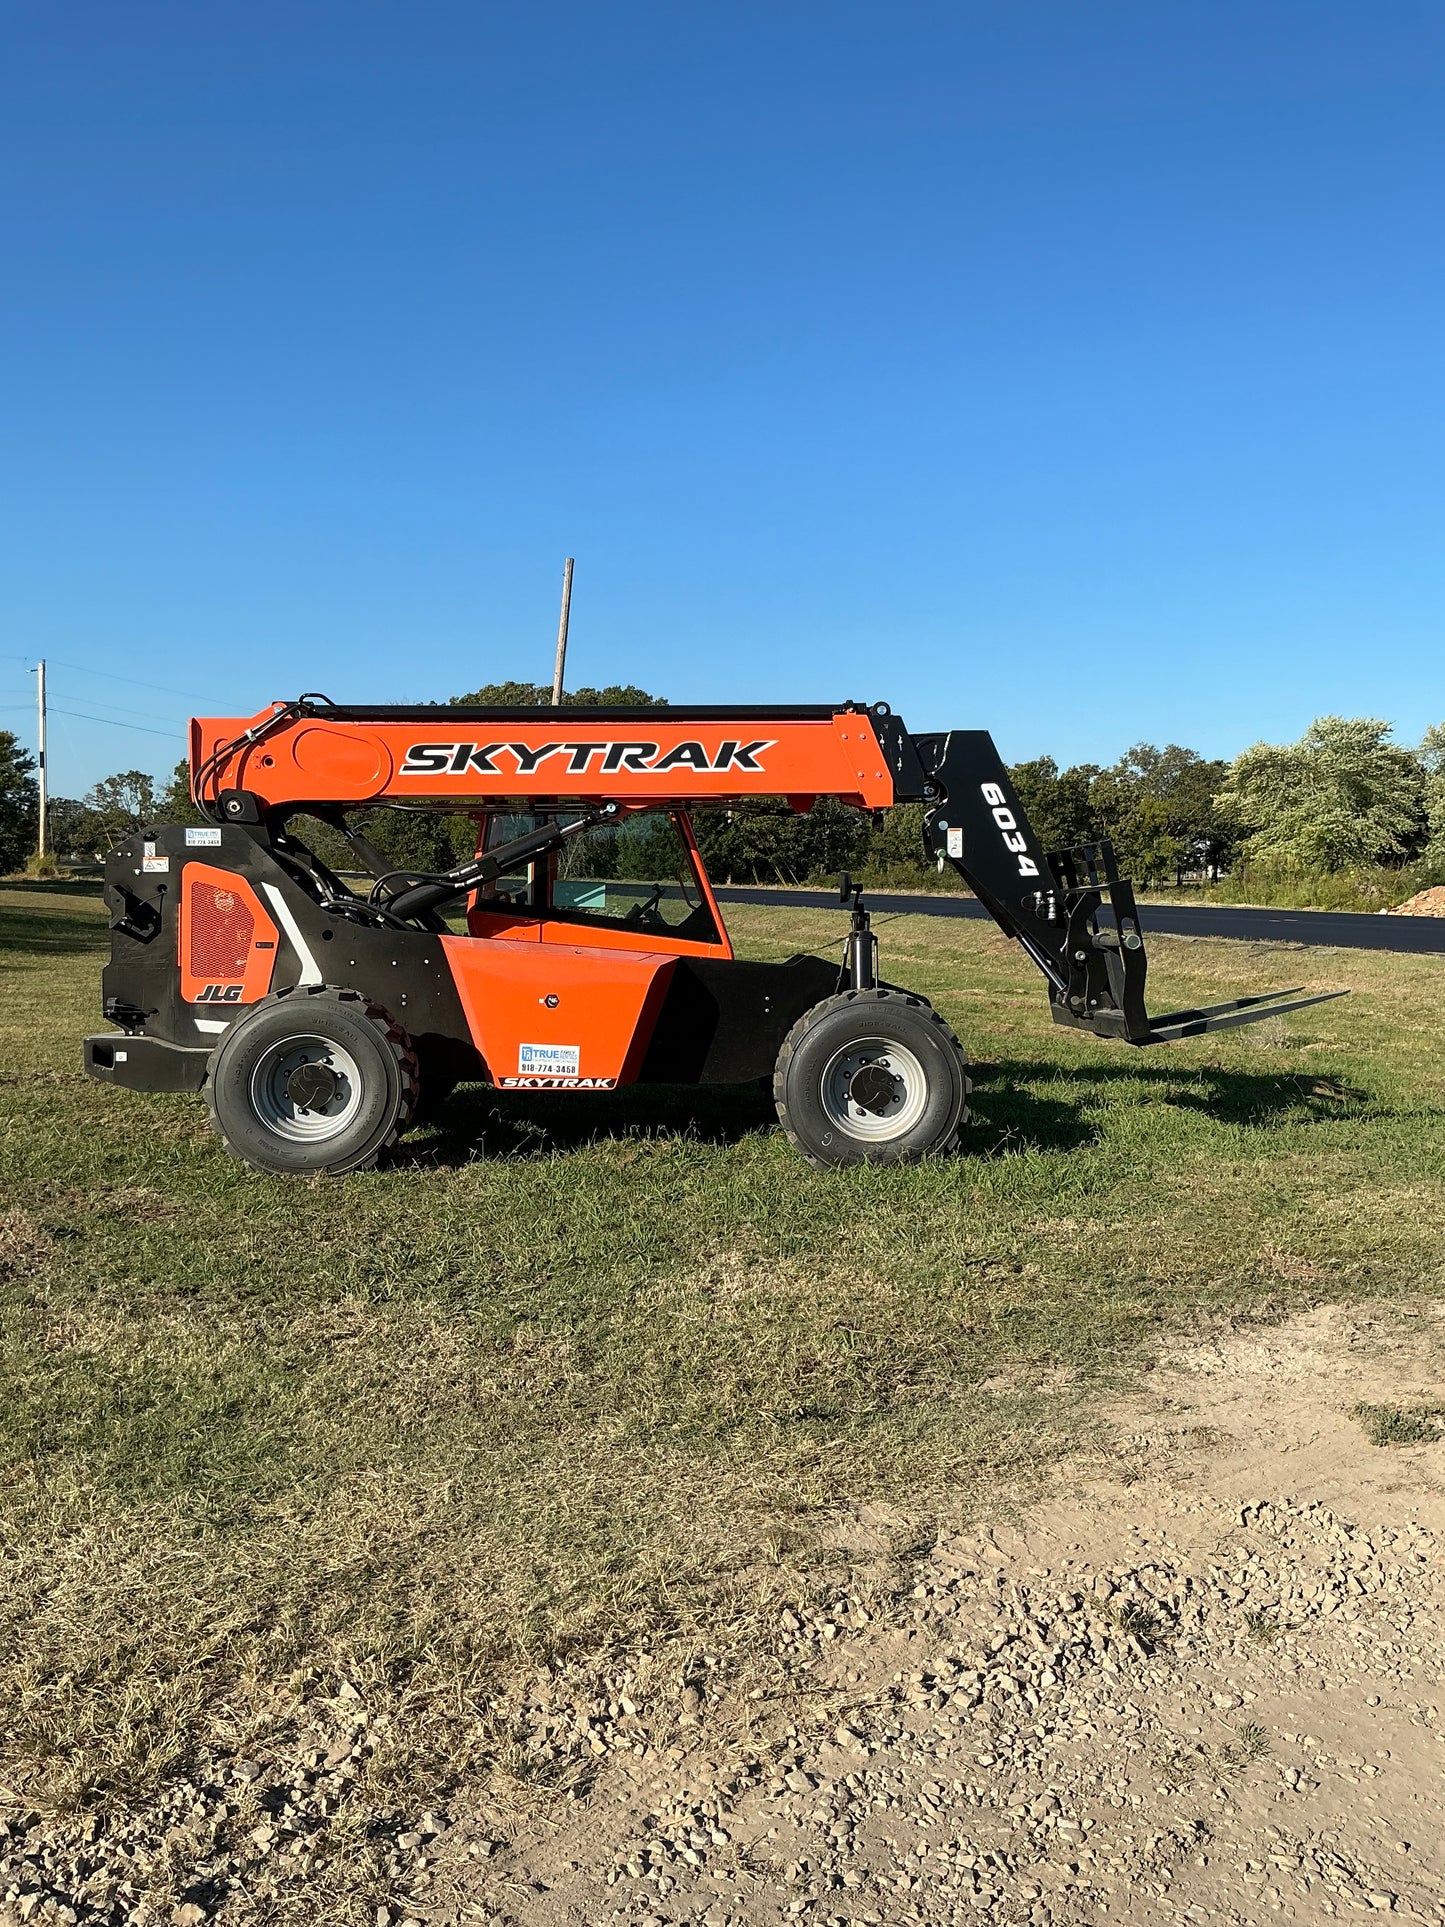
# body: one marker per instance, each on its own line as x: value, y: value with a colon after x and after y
x: 392, y: 1036
x: 809, y: 1020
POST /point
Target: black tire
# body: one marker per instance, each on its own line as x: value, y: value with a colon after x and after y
x: 871, y: 1077
x: 362, y: 1075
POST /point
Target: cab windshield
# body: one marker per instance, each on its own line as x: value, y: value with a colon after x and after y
x: 636, y: 874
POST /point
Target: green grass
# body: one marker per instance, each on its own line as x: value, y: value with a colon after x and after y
x: 1402, y: 1424
x: 575, y: 1371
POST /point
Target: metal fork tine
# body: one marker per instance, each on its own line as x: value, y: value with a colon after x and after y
x: 1169, y: 1030
x: 1218, y: 1010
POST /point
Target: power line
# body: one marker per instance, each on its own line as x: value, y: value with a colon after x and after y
x: 124, y: 709
x: 166, y: 689
x: 171, y: 735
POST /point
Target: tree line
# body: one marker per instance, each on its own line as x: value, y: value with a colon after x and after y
x: 1345, y: 798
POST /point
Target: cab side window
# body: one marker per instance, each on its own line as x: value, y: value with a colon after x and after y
x: 637, y: 874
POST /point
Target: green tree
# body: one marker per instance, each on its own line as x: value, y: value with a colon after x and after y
x: 1431, y: 754
x: 19, y: 801
x: 896, y: 843
x: 1343, y: 795
x: 70, y: 828
x: 536, y: 695
x: 1188, y: 783
x: 422, y: 840
x: 122, y: 804
x: 175, y: 804
x: 1059, y: 804
x: 647, y: 847
x: 766, y: 841
x: 1157, y: 807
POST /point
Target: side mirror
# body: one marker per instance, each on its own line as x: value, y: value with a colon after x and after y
x: 845, y: 887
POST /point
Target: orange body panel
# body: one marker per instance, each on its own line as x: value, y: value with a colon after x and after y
x: 565, y: 1016
x: 682, y: 763
x: 505, y: 923
x: 598, y: 937
x: 591, y: 936
x: 225, y: 939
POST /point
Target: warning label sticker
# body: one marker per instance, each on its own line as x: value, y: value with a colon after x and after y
x: 955, y: 842
x: 548, y: 1060
x: 151, y: 863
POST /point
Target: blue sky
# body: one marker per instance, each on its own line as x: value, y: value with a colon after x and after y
x: 1071, y: 369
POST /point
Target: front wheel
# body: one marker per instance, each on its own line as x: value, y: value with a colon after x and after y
x: 870, y: 1077
x: 312, y: 1080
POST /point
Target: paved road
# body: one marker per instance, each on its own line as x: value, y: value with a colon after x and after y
x: 1350, y: 929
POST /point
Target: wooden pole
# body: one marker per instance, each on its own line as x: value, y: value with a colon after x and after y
x: 562, y: 632
x: 40, y: 749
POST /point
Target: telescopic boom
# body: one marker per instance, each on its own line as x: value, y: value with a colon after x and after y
x: 1069, y: 910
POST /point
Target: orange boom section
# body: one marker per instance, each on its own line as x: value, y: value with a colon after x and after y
x: 465, y: 756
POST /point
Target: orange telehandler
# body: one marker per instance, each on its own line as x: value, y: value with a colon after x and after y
x: 591, y: 951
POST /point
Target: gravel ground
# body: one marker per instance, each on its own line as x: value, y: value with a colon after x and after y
x: 1202, y: 1682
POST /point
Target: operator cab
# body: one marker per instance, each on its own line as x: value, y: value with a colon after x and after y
x: 638, y: 883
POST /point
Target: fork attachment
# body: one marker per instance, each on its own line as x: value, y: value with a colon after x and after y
x: 1069, y: 910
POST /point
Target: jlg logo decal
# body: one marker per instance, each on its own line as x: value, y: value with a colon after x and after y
x: 220, y: 994
x: 1014, y: 839
x: 606, y: 758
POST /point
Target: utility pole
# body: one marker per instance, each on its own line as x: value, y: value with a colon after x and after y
x: 562, y: 632
x: 40, y: 746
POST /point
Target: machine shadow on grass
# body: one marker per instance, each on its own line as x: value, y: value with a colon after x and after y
x: 477, y: 1120
x: 1009, y: 1114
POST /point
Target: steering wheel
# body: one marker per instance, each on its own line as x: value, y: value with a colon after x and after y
x: 647, y: 914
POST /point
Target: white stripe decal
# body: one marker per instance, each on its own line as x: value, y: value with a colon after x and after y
x: 310, y: 969
x: 211, y: 1023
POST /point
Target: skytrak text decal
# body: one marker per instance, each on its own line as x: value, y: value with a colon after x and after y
x: 603, y: 757
x: 559, y: 1083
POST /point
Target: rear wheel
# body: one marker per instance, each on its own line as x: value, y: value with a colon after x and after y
x: 312, y: 1080
x: 870, y: 1077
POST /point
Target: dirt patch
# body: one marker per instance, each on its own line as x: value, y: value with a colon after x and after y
x: 1425, y: 903
x: 1200, y: 1682
x: 130, y: 1203
x: 24, y: 1245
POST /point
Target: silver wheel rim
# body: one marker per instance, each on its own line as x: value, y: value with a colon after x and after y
x: 902, y: 1110
x: 276, y: 1107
